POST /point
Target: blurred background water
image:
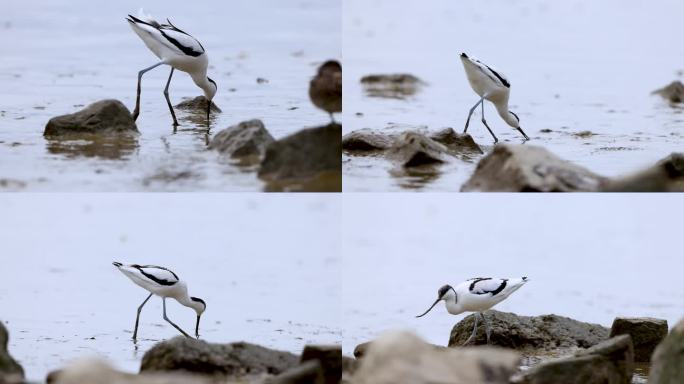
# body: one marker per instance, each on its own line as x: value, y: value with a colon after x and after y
x: 574, y: 66
x: 588, y: 257
x: 61, y: 55
x: 268, y: 268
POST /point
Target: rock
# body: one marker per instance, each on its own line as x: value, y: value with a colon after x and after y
x: 666, y: 362
x: 233, y: 360
x: 646, y: 333
x: 526, y: 168
x: 402, y: 357
x: 309, y: 372
x: 312, y: 156
x: 102, y: 117
x: 330, y: 359
x: 198, y: 104
x: 456, y: 142
x: 247, y: 140
x: 361, y: 350
x: 366, y: 139
x: 674, y: 92
x: 349, y: 367
x: 395, y: 86
x: 412, y: 149
x: 530, y: 333
x: 666, y: 176
x: 89, y: 371
x: 10, y: 370
x: 610, y: 362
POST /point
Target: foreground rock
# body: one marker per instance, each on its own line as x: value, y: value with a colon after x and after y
x: 198, y: 104
x: 665, y: 176
x: 402, y: 357
x: 674, y: 92
x: 10, y: 370
x: 396, y: 86
x: 102, y: 117
x: 646, y: 334
x: 233, y: 360
x: 413, y: 149
x: 247, y: 141
x: 99, y: 372
x: 311, y: 157
x: 531, y: 333
x: 667, y: 362
x: 527, y: 168
x: 610, y: 362
x: 329, y: 358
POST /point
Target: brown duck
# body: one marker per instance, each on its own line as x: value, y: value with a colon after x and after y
x: 325, y: 90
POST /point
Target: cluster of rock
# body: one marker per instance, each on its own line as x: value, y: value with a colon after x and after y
x: 550, y: 349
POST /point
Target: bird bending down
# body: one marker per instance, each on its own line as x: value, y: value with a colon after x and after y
x: 325, y: 89
x: 476, y: 295
x: 176, y: 49
x: 490, y: 85
x: 163, y: 283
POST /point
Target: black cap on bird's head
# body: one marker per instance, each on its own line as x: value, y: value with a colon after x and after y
x: 199, y: 308
x: 442, y: 293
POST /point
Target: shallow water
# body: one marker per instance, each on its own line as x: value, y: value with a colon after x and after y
x: 72, y: 53
x: 269, y: 270
x: 574, y: 66
x: 591, y: 258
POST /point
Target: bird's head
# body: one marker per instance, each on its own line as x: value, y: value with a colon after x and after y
x: 445, y: 292
x: 199, y: 306
x: 209, y: 93
x: 512, y: 119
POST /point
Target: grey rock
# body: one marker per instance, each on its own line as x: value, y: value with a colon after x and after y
x: 361, y: 349
x: 246, y: 140
x: 673, y: 92
x: 521, y: 168
x: 365, y: 140
x: 413, y: 149
x: 102, y: 117
x: 402, y: 357
x: 609, y: 362
x: 667, y: 362
x: 232, y: 360
x: 530, y: 333
x: 456, y: 142
x: 90, y: 371
x: 646, y: 333
x: 395, y: 86
x: 309, y: 372
x: 330, y: 359
x: 667, y: 175
x: 198, y: 104
x: 306, y: 157
x: 10, y: 370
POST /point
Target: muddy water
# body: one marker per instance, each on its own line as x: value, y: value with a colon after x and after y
x: 61, y: 55
x: 574, y: 66
x: 399, y: 250
x: 62, y: 299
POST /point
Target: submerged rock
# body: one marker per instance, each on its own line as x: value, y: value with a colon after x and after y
x: 246, y: 140
x: 530, y: 333
x: 610, y: 362
x: 103, y: 117
x: 233, y: 360
x: 395, y: 86
x: 402, y: 357
x: 10, y: 370
x: 89, y: 371
x: 674, y: 92
x: 646, y: 333
x: 198, y: 104
x: 526, y: 168
x: 367, y: 139
x: 667, y: 175
x: 311, y: 157
x: 667, y: 362
x: 412, y: 149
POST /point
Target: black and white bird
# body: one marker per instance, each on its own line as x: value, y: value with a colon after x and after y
x: 164, y: 283
x: 490, y: 85
x: 176, y: 49
x: 477, y: 295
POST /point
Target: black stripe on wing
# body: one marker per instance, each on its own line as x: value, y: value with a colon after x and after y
x: 501, y: 78
x: 186, y: 50
x: 155, y: 278
x: 474, y: 289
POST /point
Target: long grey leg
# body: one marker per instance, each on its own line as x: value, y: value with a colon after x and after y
x: 168, y: 101
x: 489, y: 129
x: 488, y: 329
x: 171, y: 322
x: 471, y: 113
x: 472, y: 335
x: 137, y: 318
x: 136, y: 111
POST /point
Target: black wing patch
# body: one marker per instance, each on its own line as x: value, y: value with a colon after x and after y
x: 187, y: 50
x: 153, y: 277
x: 503, y: 81
x: 483, y: 291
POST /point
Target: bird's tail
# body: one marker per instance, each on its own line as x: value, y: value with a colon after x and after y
x: 117, y: 264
